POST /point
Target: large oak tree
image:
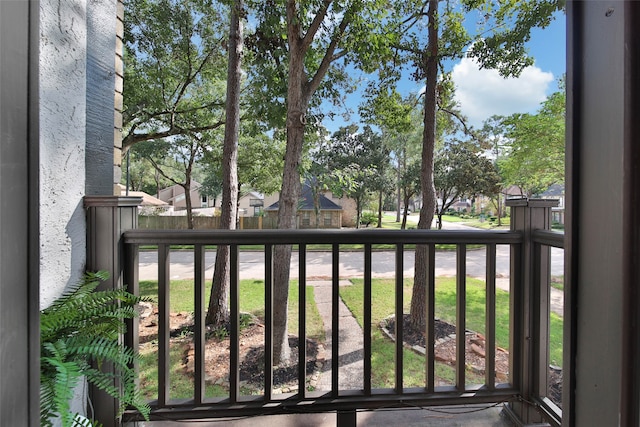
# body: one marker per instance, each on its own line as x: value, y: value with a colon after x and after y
x: 307, y: 47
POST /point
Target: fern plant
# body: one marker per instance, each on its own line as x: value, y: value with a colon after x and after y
x: 78, y: 333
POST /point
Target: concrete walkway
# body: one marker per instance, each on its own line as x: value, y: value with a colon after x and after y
x: 350, y: 342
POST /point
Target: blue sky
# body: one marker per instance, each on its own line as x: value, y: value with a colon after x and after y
x: 483, y: 93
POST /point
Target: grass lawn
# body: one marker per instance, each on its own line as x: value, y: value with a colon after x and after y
x: 383, y: 351
x: 383, y: 298
x: 475, y: 222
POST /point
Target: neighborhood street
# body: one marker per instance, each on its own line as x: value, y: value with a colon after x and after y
x: 351, y: 264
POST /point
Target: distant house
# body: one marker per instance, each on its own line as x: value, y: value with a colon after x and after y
x: 175, y: 197
x: 556, y: 192
x: 148, y: 201
x: 349, y: 208
x: 330, y: 213
x: 462, y: 205
x: 251, y: 204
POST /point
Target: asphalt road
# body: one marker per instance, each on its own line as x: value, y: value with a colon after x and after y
x: 351, y: 264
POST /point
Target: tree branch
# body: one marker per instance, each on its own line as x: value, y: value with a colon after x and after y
x: 314, y: 83
x: 131, y: 139
x: 315, y: 25
x: 461, y: 119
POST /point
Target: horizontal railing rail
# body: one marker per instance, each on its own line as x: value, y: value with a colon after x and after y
x: 164, y: 407
x: 295, y: 237
x: 554, y: 239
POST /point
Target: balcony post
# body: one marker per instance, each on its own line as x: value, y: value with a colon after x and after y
x: 107, y: 218
x: 529, y: 289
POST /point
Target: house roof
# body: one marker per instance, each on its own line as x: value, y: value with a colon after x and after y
x: 254, y: 195
x: 306, y: 202
x: 555, y: 190
x: 176, y: 190
x: 147, y: 199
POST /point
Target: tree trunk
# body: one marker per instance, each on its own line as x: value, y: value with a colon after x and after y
x: 418, y: 298
x: 187, y: 199
x: 379, y: 210
x: 287, y: 210
x: 405, y: 201
x: 287, y: 206
x: 299, y: 91
x: 218, y: 313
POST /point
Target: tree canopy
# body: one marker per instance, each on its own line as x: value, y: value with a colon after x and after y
x: 462, y: 170
x: 534, y: 145
x: 175, y: 68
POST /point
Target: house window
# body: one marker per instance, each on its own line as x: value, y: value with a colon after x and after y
x: 257, y: 210
x: 203, y: 201
x: 327, y: 219
x: 306, y: 218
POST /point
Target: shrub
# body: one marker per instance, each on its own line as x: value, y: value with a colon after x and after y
x: 368, y: 218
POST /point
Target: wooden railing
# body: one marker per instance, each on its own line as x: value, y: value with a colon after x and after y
x: 524, y: 390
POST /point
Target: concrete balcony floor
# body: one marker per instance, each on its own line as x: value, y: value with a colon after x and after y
x: 467, y: 416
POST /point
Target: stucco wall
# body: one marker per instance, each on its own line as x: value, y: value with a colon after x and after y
x: 63, y: 77
x: 63, y: 41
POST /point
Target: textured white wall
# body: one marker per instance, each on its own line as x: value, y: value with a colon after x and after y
x: 63, y: 41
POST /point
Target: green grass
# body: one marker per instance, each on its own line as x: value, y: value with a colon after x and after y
x: 382, y: 291
x: 453, y: 218
x: 557, y: 282
x: 383, y: 297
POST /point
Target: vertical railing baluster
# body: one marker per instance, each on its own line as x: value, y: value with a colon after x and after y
x: 130, y: 277
x: 516, y: 315
x: 335, y: 319
x: 367, y: 320
x: 268, y: 322
x: 399, y: 317
x: 431, y: 317
x: 302, y: 319
x: 199, y: 323
x: 234, y: 307
x: 163, y: 324
x: 490, y: 319
x: 461, y: 312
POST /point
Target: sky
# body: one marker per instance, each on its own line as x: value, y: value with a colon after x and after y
x: 483, y: 93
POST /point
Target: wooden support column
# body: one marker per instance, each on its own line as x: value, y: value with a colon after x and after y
x: 107, y: 218
x: 527, y: 215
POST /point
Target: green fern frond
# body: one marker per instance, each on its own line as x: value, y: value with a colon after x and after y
x: 128, y: 394
x: 57, y: 392
x: 84, y: 310
x: 101, y: 349
x: 82, y: 327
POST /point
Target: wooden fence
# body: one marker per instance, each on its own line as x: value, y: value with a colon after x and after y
x: 201, y: 223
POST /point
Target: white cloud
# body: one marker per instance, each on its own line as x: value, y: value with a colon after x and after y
x: 483, y: 93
